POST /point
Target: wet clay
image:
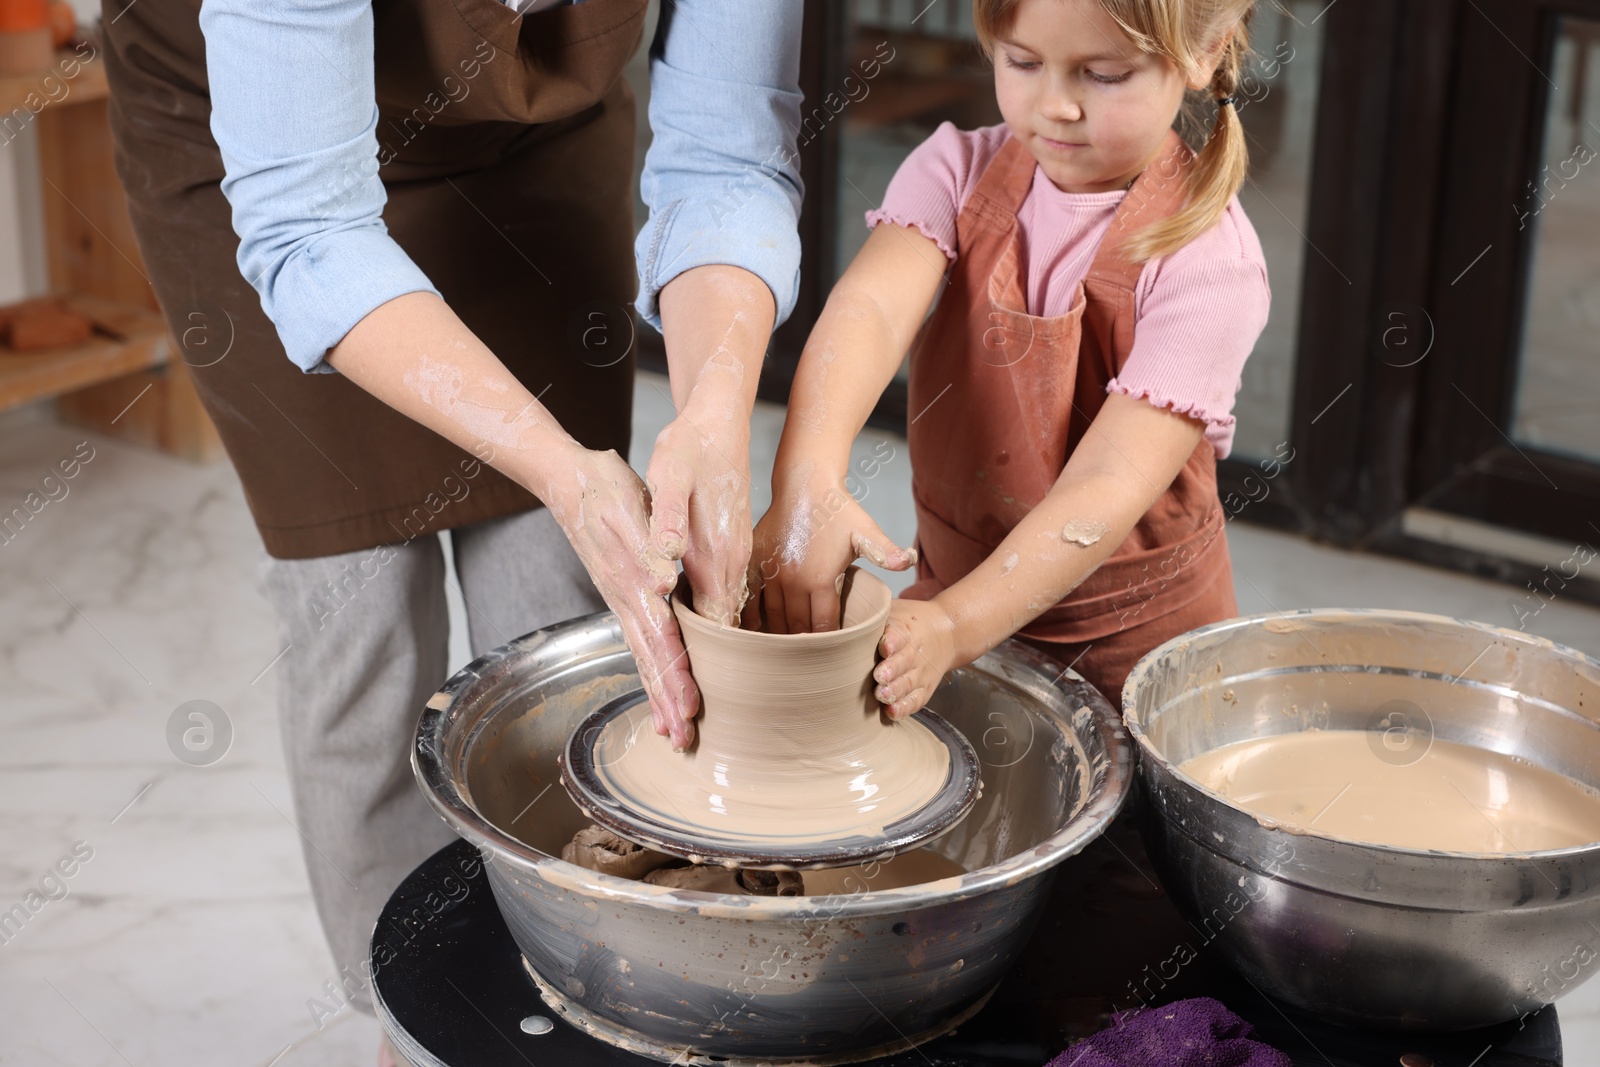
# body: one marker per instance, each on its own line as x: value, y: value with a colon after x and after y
x: 1454, y: 798
x: 723, y: 880
x: 792, y: 747
x: 1083, y: 532
x: 601, y: 850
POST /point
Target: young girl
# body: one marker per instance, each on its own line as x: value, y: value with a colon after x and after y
x: 1098, y: 290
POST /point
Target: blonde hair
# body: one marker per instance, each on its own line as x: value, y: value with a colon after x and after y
x: 1183, y: 31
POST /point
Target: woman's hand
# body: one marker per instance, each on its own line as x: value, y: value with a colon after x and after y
x: 812, y: 532
x: 918, y: 648
x: 604, y: 511
x: 699, y: 479
x: 716, y: 321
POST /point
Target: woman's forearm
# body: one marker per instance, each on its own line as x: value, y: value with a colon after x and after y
x: 716, y: 321
x: 415, y: 355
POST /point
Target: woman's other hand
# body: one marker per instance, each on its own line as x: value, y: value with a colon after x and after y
x: 604, y: 510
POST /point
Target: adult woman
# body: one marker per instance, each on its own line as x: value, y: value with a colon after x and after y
x: 430, y: 196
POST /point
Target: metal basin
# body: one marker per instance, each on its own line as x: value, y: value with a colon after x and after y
x: 693, y: 977
x: 1358, y: 933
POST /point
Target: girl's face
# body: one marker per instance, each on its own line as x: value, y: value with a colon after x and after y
x: 1074, y: 89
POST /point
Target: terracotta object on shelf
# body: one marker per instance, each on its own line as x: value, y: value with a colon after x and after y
x: 18, y: 16
x: 26, y: 44
x: 42, y: 323
x: 63, y: 23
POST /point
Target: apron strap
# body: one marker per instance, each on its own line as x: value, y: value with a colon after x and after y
x: 1158, y: 192
x: 1003, y: 186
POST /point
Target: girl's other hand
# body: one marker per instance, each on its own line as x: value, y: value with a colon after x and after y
x: 801, y: 547
x: 918, y: 648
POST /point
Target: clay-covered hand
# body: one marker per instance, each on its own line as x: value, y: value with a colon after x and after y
x: 699, y: 478
x: 604, y: 511
x: 802, y: 546
x: 918, y: 648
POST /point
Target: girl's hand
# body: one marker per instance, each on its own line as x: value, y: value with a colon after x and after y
x: 802, y: 545
x: 918, y: 648
x: 602, y: 507
x: 814, y: 529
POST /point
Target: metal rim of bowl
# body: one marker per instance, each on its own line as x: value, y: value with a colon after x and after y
x: 446, y: 797
x: 1148, y: 750
x: 947, y: 807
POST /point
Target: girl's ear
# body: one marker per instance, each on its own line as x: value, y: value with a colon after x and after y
x: 1206, y: 63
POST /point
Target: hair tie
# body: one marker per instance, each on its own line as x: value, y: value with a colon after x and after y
x: 1226, y: 100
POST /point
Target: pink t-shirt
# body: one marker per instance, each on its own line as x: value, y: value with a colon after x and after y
x: 1197, y: 311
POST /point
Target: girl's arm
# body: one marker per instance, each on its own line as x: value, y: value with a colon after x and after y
x: 1130, y: 455
x: 814, y: 529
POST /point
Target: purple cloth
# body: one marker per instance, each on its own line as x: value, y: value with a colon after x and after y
x: 1199, y: 1032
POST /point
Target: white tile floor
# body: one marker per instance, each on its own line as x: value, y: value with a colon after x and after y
x: 188, y: 937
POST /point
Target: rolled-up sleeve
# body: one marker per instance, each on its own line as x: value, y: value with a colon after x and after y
x: 294, y: 112
x: 722, y: 177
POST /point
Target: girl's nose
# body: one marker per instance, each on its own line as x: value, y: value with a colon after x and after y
x: 1060, y: 107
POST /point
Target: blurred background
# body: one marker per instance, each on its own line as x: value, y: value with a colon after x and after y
x: 1425, y: 187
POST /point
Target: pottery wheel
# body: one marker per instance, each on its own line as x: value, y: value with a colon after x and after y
x: 791, y: 820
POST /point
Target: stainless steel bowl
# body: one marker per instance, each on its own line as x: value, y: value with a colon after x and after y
x: 1367, y: 934
x: 686, y: 976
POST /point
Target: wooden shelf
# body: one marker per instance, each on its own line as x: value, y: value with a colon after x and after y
x: 88, y: 84
x: 121, y: 383
x: 128, y: 339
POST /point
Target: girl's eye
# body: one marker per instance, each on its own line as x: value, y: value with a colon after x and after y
x: 1020, y: 64
x: 1110, y: 79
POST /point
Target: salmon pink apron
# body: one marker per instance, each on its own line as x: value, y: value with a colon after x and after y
x: 1003, y: 397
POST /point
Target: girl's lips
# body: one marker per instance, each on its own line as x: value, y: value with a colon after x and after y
x: 1061, y: 146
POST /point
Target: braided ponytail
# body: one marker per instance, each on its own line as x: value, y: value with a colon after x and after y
x: 1219, y: 168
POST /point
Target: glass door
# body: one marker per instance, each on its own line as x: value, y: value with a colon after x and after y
x: 1508, y: 472
x: 1556, y: 397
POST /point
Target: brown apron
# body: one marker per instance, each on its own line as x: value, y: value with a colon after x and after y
x: 506, y: 145
x: 1021, y: 392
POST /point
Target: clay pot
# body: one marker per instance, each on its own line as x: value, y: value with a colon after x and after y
x: 792, y: 746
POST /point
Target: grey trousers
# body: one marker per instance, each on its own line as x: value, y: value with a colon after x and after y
x: 370, y: 634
